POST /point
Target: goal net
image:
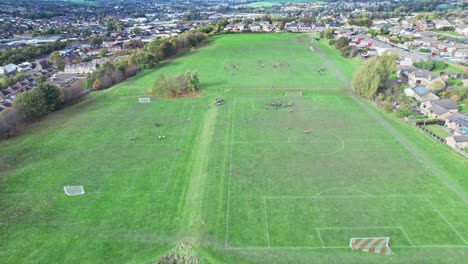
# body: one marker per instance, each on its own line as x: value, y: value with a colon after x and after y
x: 73, y: 190
x: 371, y: 244
x: 293, y: 94
x: 144, y: 100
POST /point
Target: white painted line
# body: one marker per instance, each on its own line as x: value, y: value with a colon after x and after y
x: 229, y: 173
x: 266, y: 221
x: 445, y: 220
x: 406, y: 235
x: 320, y: 236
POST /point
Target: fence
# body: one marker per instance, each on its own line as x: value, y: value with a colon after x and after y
x: 430, y: 133
x: 461, y: 151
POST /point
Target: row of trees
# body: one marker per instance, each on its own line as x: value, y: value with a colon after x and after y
x: 146, y: 58
x: 21, y: 55
x: 36, y: 103
x: 175, y: 86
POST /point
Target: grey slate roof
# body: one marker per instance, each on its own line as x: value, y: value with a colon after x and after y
x: 445, y: 103
x: 461, y: 138
x: 438, y: 110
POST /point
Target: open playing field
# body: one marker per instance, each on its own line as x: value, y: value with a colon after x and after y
x: 242, y: 182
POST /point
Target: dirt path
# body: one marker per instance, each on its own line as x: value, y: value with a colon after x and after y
x: 195, y: 191
x: 420, y: 156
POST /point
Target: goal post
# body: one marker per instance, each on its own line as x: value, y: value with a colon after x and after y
x: 144, y: 100
x: 293, y: 94
x: 377, y: 245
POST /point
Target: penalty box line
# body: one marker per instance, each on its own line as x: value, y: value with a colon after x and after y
x: 101, y: 186
x: 338, y: 247
x: 370, y: 196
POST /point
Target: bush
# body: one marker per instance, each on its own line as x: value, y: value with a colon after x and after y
x: 73, y: 92
x: 10, y: 121
x: 175, y: 86
x: 403, y: 111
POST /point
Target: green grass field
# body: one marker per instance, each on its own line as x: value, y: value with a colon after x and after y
x: 242, y: 182
x: 438, y: 130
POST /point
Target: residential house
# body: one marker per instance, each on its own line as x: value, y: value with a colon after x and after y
x: 8, y: 69
x: 292, y: 26
x: 425, y: 24
x: 463, y: 30
x: 441, y: 108
x: 255, y: 27
x: 443, y: 24
x: 420, y: 93
x: 459, y: 141
x: 319, y: 27
x: 458, y: 123
x: 80, y: 68
x: 421, y: 78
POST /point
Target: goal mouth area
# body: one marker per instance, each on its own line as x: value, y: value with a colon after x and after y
x: 377, y: 245
x: 144, y: 100
x: 293, y: 94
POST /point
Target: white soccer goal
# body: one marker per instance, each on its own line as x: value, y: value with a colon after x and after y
x: 371, y: 244
x: 73, y: 190
x: 144, y: 100
x: 293, y: 94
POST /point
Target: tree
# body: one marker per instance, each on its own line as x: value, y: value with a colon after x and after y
x: 367, y: 79
x: 328, y: 33
x: 136, y: 30
x: 31, y: 104
x: 144, y: 60
x: 437, y: 84
x: 97, y: 85
x: 96, y: 42
x: 10, y: 120
x: 73, y: 92
x: 52, y: 95
x: 3, y: 82
x: 102, y: 53
x: 193, y: 82
x: 55, y: 59
x: 374, y: 75
x: 387, y: 65
x: 341, y: 43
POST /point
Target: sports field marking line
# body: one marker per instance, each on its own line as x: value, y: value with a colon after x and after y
x: 446, y: 221
x: 360, y: 227
x: 419, y: 155
x: 339, y: 247
x: 344, y: 196
x: 320, y: 236
x: 349, y: 189
x: 266, y: 221
x: 135, y: 175
x: 229, y: 173
x: 406, y: 235
x: 321, y: 152
x: 304, y: 141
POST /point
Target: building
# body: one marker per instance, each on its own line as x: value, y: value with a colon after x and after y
x: 458, y: 123
x: 8, y: 69
x: 420, y: 93
x: 460, y: 142
x: 441, y: 109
